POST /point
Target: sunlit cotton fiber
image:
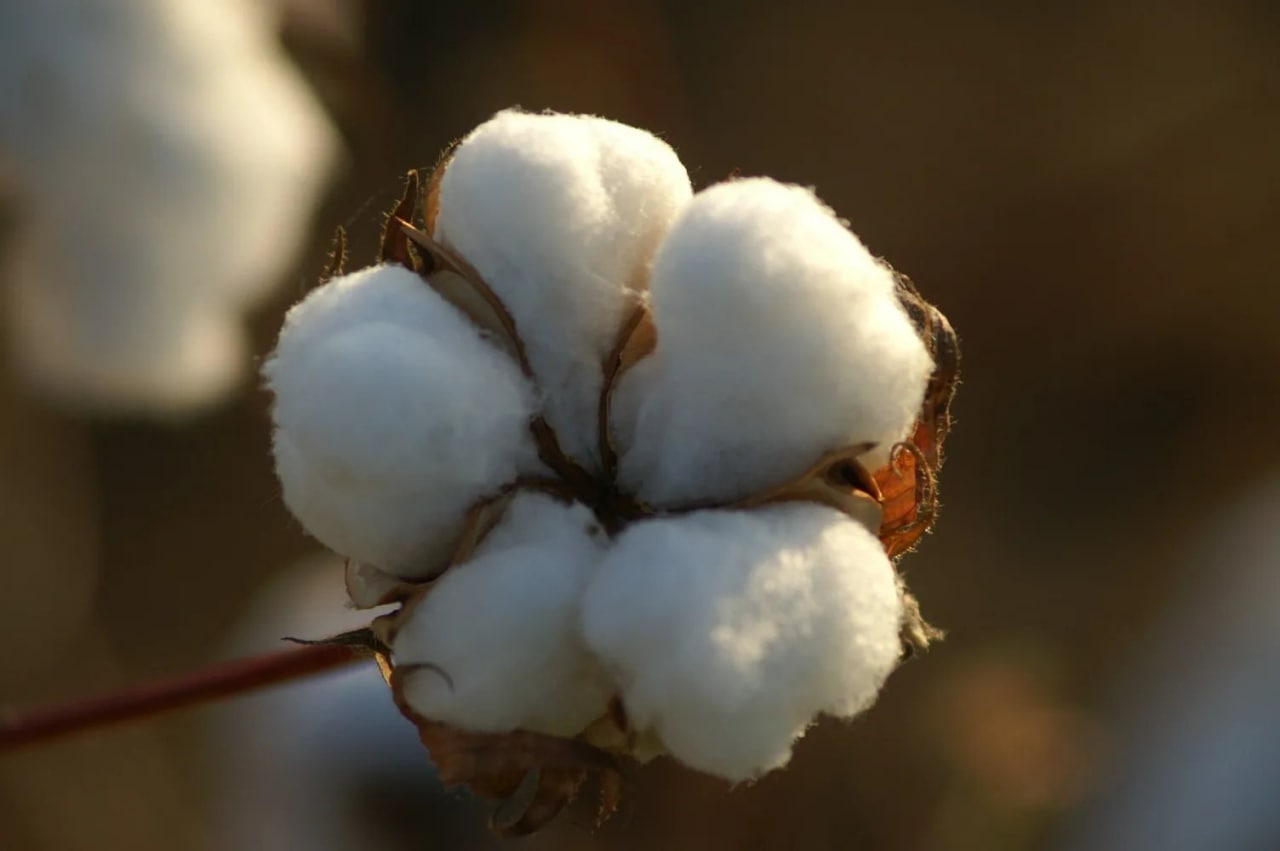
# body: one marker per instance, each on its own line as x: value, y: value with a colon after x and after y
x: 728, y: 632
x: 501, y: 632
x: 779, y: 338
x: 392, y: 417
x: 560, y: 215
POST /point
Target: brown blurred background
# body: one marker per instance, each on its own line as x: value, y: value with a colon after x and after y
x: 1090, y: 191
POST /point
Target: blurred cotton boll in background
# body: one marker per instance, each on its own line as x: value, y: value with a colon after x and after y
x: 160, y: 160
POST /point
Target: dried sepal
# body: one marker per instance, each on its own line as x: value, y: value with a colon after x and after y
x: 497, y: 765
x: 637, y: 338
x: 395, y: 244
x: 944, y: 348
x: 836, y: 480
x: 909, y: 482
x: 369, y: 586
x: 908, y: 496
x: 431, y: 192
x: 459, y: 284
x: 480, y: 522
x: 337, y: 265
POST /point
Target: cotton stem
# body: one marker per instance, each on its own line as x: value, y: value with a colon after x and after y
x: 144, y: 700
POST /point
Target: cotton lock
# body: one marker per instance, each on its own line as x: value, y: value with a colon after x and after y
x: 729, y: 632
x: 560, y: 215
x: 393, y: 415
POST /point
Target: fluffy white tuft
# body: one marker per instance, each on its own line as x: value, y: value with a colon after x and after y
x: 779, y: 338
x: 561, y: 214
x: 164, y: 159
x: 729, y: 632
x: 392, y: 417
x: 504, y: 629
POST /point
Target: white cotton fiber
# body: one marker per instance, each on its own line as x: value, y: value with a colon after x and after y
x: 163, y: 160
x: 393, y: 416
x: 502, y: 630
x: 728, y: 632
x: 560, y: 214
x: 779, y: 338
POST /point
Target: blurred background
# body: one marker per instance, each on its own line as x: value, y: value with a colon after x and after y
x: 1090, y: 191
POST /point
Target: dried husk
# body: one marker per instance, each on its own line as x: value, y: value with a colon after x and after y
x: 496, y: 765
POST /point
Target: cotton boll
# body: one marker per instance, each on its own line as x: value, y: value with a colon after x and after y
x: 501, y: 630
x: 779, y: 338
x: 393, y: 416
x: 729, y: 632
x: 164, y: 159
x: 560, y: 214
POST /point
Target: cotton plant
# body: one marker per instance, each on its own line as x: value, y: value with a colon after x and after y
x: 632, y: 464
x: 154, y: 157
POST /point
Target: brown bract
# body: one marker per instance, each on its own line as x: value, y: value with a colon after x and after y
x: 538, y: 775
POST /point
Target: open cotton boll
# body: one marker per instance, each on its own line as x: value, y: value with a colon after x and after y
x: 501, y: 630
x: 560, y: 215
x: 730, y: 631
x: 176, y: 153
x: 779, y: 338
x: 392, y: 417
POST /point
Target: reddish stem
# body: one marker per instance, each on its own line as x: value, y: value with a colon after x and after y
x: 41, y: 725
